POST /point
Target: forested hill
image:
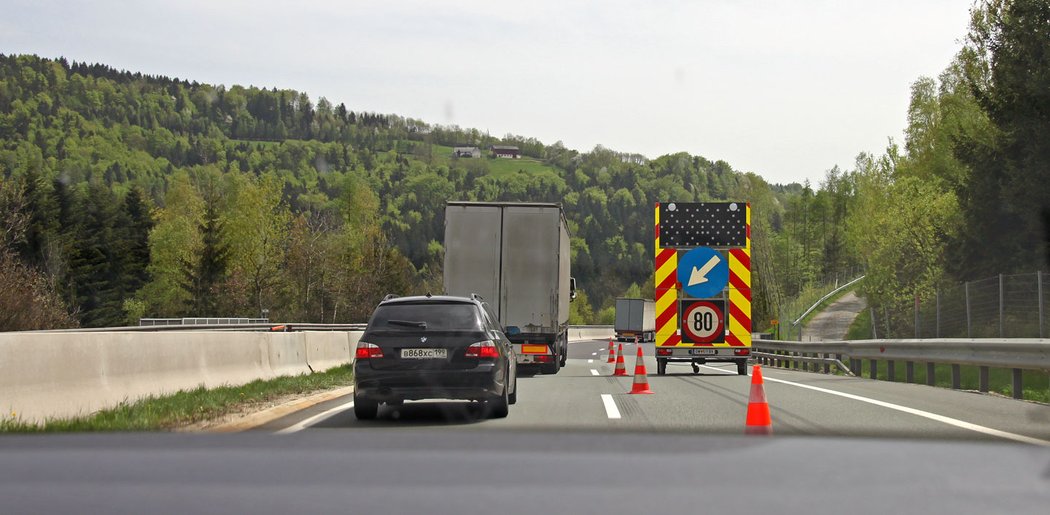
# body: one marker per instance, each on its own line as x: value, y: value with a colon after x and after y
x: 135, y: 195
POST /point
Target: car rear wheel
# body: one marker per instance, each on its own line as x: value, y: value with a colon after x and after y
x: 365, y: 409
x: 500, y: 406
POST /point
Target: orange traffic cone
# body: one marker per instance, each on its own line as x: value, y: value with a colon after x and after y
x: 612, y: 353
x: 758, y: 421
x: 641, y: 381
x: 621, y: 370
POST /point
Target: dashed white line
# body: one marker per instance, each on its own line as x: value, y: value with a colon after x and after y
x: 917, y: 412
x: 590, y: 361
x: 316, y: 418
x: 610, y: 406
x: 594, y: 372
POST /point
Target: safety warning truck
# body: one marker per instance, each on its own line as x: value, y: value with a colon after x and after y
x: 703, y: 283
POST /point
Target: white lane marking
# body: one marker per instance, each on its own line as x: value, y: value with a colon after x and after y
x: 594, y: 372
x: 590, y: 361
x: 594, y: 354
x: 610, y: 406
x: 917, y: 412
x: 724, y: 371
x: 314, y: 419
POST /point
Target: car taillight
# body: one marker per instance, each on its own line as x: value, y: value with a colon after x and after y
x: 485, y: 349
x: 367, y: 350
x: 742, y: 352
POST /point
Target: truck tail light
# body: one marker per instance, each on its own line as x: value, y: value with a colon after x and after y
x: 544, y: 359
x: 663, y: 352
x: 742, y: 352
x: 367, y: 350
x: 483, y: 350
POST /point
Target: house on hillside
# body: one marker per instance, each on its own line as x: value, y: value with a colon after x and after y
x: 474, y: 152
x: 506, y: 151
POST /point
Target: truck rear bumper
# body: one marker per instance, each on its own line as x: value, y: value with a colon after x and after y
x: 703, y: 353
x: 630, y: 336
x: 536, y: 359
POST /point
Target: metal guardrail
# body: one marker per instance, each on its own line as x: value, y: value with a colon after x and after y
x: 201, y: 321
x: 272, y: 326
x: 826, y: 297
x: 214, y: 327
x: 1014, y: 354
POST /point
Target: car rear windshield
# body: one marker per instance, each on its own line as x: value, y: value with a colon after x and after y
x: 430, y: 316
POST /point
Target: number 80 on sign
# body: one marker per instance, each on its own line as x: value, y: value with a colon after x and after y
x: 703, y: 321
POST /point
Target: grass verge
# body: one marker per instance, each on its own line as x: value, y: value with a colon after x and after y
x: 860, y: 329
x: 1035, y: 384
x: 186, y: 406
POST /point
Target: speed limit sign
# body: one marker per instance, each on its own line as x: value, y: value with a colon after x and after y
x: 703, y: 321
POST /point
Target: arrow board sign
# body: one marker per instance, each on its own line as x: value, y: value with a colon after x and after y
x: 703, y: 272
x: 703, y: 224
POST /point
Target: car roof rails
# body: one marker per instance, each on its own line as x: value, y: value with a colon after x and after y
x: 475, y: 296
x: 389, y: 296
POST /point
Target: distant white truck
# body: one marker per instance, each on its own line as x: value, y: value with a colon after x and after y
x: 515, y: 255
x: 635, y: 318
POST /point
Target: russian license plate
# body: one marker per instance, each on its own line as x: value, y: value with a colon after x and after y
x: 701, y: 352
x: 424, y: 353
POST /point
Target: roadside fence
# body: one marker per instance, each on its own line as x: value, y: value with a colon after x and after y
x: 1003, y: 306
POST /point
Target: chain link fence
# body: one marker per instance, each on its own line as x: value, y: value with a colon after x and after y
x: 1005, y: 306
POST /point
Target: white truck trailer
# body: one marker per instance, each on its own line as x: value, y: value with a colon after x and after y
x: 516, y: 257
x: 635, y: 318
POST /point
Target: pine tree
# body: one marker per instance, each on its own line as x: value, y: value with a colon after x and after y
x: 135, y: 236
x: 202, y: 278
x: 95, y: 261
x: 43, y: 222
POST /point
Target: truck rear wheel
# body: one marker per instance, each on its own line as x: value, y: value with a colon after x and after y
x: 661, y: 366
x: 552, y: 367
x: 741, y: 367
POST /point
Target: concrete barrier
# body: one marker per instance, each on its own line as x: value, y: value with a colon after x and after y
x: 287, y: 354
x: 327, y: 349
x: 590, y: 332
x: 57, y: 375
x: 355, y: 336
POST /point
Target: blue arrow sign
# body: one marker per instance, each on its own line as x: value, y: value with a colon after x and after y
x: 703, y: 273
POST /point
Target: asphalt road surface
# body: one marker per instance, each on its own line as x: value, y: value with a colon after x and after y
x: 584, y: 395
x: 576, y: 442
x: 379, y: 471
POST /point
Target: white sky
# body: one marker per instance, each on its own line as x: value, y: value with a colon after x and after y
x: 784, y: 89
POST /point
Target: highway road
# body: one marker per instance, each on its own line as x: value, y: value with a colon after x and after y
x: 576, y: 442
x: 584, y: 395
